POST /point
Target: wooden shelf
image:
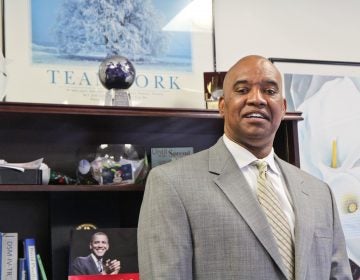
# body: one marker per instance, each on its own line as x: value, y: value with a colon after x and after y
x: 39, y: 108
x: 70, y: 188
x: 64, y: 134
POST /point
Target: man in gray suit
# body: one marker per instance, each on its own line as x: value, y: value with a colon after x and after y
x: 201, y: 217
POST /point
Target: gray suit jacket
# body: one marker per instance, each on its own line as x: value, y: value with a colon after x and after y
x: 84, y: 266
x: 200, y: 220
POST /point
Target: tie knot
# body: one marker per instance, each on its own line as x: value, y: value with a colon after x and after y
x: 262, y: 167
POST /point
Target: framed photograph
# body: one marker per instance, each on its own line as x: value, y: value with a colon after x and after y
x: 54, y: 48
x: 328, y: 95
x: 96, y: 251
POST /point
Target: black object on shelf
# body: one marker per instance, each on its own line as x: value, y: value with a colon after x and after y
x: 11, y: 176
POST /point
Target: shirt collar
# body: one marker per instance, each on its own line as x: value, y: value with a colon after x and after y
x: 96, y: 260
x: 244, y: 158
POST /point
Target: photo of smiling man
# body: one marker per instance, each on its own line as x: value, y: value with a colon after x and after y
x: 96, y: 262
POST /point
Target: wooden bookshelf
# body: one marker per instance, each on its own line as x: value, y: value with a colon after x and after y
x: 61, y: 133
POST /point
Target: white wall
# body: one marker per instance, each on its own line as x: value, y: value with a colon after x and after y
x: 302, y: 29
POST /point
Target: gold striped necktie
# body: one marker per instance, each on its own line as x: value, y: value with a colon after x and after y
x: 276, y: 218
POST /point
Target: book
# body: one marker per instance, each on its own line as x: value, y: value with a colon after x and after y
x: 9, y: 255
x: 30, y: 259
x: 164, y: 155
x: 1, y: 235
x: 21, y: 269
x: 41, y: 267
x: 92, y: 250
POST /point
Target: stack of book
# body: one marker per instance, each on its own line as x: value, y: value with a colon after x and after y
x: 27, y: 267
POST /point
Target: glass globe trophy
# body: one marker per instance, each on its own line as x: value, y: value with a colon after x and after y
x: 117, y: 74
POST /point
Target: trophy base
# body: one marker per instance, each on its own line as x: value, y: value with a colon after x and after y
x: 212, y: 104
x: 117, y: 97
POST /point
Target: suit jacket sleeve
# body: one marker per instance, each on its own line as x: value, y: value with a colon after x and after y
x: 163, y: 220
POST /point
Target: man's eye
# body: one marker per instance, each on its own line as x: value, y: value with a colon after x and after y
x: 270, y: 91
x: 241, y: 90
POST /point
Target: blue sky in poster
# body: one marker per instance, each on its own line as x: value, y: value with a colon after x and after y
x: 44, y: 16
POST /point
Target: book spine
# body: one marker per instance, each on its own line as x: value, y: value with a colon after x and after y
x: 22, y: 269
x: 1, y: 252
x: 41, y: 268
x: 31, y: 262
x: 9, y: 256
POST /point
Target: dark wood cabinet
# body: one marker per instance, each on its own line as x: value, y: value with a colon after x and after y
x: 60, y: 133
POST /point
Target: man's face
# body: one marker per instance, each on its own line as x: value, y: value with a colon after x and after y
x: 99, y: 245
x: 252, y: 106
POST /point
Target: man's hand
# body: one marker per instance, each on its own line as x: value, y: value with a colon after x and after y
x: 112, y: 266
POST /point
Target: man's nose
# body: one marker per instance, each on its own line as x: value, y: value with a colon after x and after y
x: 256, y: 96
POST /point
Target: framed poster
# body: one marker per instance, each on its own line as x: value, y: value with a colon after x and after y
x: 328, y: 95
x: 54, y: 48
x: 104, y: 251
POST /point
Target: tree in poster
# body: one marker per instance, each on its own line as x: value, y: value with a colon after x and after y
x: 131, y: 28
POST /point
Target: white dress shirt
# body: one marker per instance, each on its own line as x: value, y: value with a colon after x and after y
x: 98, y: 262
x: 245, y: 160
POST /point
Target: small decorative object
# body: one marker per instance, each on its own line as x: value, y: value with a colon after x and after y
x: 58, y: 178
x: 114, y: 164
x: 84, y: 175
x: 213, y: 83
x: 117, y: 74
x: 86, y: 226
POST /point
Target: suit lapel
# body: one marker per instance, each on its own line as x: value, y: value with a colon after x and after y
x: 234, y: 185
x: 93, y: 266
x: 304, y: 217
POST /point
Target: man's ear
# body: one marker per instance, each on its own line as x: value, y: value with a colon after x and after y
x: 221, y: 106
x: 284, y: 107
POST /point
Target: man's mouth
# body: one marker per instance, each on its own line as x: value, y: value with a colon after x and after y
x: 256, y: 116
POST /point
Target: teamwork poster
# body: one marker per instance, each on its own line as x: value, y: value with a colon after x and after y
x: 54, y: 48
